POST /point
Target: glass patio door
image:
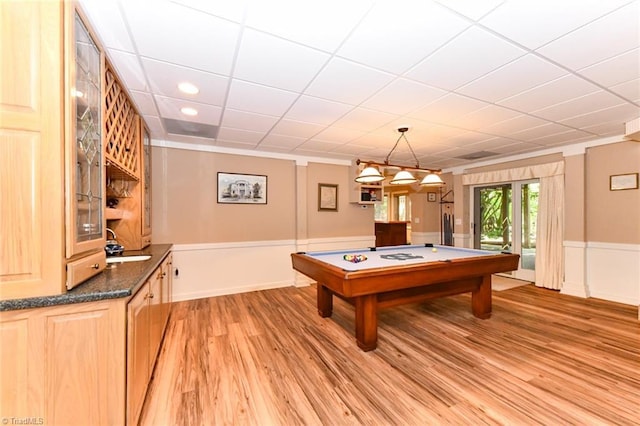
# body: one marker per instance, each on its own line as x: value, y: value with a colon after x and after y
x: 505, y: 219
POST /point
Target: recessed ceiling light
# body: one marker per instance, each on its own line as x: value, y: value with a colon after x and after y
x: 188, y: 88
x: 189, y: 111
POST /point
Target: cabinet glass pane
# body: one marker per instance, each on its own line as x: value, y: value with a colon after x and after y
x: 88, y: 135
x: 146, y: 146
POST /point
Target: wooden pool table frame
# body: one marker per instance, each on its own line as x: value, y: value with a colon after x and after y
x: 378, y: 288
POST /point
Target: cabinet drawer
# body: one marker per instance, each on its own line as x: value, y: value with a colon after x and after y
x: 81, y: 270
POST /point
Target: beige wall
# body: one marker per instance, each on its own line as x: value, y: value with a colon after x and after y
x: 574, y: 198
x: 612, y: 216
x: 185, y: 208
x: 186, y: 211
x: 349, y: 220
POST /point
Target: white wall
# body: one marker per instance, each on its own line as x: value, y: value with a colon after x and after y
x: 206, y: 270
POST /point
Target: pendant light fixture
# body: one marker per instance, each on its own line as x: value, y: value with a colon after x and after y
x: 371, y: 174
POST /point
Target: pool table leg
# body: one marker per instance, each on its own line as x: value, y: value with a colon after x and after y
x: 367, y: 322
x: 481, y: 298
x: 324, y: 301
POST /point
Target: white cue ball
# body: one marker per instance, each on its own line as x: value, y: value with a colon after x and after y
x: 434, y: 249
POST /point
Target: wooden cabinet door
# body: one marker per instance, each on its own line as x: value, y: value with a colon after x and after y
x: 138, y: 369
x: 167, y: 287
x: 64, y: 364
x: 31, y: 154
x: 85, y: 181
x: 156, y: 316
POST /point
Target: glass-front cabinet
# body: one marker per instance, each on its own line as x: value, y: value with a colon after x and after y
x: 146, y: 181
x: 85, y: 165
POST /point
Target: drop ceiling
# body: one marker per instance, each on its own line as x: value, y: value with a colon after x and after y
x: 336, y: 78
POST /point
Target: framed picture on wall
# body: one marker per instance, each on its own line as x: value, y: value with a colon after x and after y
x: 431, y: 196
x: 620, y: 182
x: 327, y: 197
x: 236, y: 188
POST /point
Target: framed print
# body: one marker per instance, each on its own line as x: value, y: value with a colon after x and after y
x: 236, y: 188
x: 431, y: 196
x: 620, y: 182
x: 327, y: 197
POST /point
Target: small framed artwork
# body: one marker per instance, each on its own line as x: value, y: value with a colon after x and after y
x: 621, y: 182
x: 431, y: 197
x: 327, y: 197
x: 236, y: 188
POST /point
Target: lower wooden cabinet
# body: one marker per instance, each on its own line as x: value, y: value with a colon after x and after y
x: 65, y: 364
x: 147, y: 316
x: 84, y: 363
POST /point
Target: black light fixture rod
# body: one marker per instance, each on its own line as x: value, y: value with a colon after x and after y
x: 387, y: 164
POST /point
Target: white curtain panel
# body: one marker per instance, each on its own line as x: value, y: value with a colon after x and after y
x: 550, y: 233
x: 550, y: 220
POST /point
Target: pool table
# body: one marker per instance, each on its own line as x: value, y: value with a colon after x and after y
x: 382, y: 277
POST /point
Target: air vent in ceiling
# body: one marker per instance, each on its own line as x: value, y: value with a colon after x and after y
x: 188, y: 128
x: 477, y: 155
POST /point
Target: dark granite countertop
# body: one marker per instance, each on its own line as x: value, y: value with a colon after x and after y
x: 117, y: 281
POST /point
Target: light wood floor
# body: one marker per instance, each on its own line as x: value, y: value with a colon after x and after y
x: 267, y: 358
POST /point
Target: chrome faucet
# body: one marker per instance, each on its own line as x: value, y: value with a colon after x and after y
x: 113, y: 248
x: 112, y: 233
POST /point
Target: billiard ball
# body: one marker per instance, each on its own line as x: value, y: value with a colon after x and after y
x: 434, y: 249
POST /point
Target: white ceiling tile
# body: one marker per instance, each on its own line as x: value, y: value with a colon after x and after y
x: 364, y: 119
x: 155, y: 126
x: 235, y: 135
x: 348, y: 82
x: 338, y: 135
x: 106, y: 20
x: 317, y: 146
x: 281, y: 141
x: 247, y: 120
x: 393, y: 40
x: 314, y: 110
x: 447, y: 108
x: 535, y: 23
x: 235, y: 144
x: 195, y: 39
x: 616, y: 70
x: 323, y: 25
x: 495, y: 144
x: 296, y: 128
x: 609, y: 36
x: 512, y: 125
x: 403, y: 96
x: 516, y: 77
x: 623, y: 113
x: 464, y: 139
x: 144, y: 102
x: 483, y: 117
x: 232, y: 10
x: 164, y: 79
x: 474, y: 9
x: 578, y: 106
x: 607, y: 129
x: 269, y: 60
x: 629, y: 90
x: 170, y: 108
x: 554, y: 92
x: 562, y: 139
x: 533, y: 133
x: 251, y: 97
x: 129, y: 70
x: 470, y: 55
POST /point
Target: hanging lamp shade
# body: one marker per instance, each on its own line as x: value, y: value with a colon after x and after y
x: 403, y: 177
x: 431, y: 179
x: 369, y: 175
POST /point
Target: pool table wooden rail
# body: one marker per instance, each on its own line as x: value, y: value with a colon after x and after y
x: 377, y: 288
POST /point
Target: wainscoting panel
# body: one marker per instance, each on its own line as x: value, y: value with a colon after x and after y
x: 613, y: 272
x: 206, y: 270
